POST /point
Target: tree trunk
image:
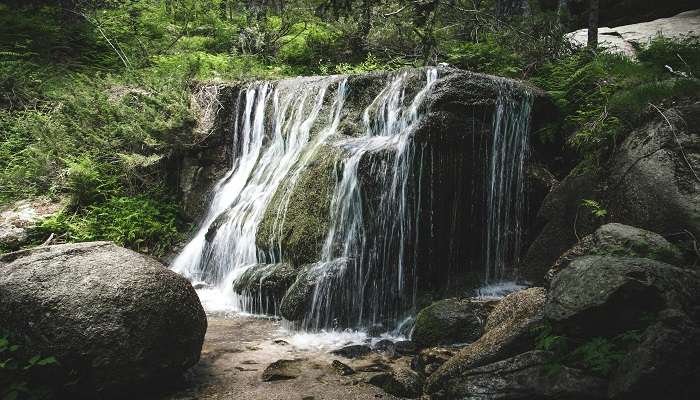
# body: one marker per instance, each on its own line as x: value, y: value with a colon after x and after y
x: 563, y: 13
x: 593, y: 14
x: 512, y: 8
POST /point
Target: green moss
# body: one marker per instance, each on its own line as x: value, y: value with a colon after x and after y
x: 299, y: 227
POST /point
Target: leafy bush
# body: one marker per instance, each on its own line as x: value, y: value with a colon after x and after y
x: 16, y: 370
x: 141, y: 222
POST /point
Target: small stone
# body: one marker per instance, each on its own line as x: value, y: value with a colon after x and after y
x: 372, y: 367
x: 385, y: 346
x: 352, y: 351
x: 401, y: 382
x: 280, y: 342
x: 341, y: 368
x: 200, y: 285
x: 281, y: 370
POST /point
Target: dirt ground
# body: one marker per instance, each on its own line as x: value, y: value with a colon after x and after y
x: 238, y: 349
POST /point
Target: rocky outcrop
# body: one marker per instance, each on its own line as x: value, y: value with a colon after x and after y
x: 620, y: 240
x: 612, y: 294
x: 526, y: 376
x: 18, y: 219
x: 119, y: 319
x: 560, y: 221
x: 651, y: 183
x: 508, y: 331
x: 451, y: 321
x: 628, y: 38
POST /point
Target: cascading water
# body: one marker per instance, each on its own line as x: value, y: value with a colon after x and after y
x: 363, y: 278
x: 506, y: 184
x: 263, y: 157
x: 402, y: 213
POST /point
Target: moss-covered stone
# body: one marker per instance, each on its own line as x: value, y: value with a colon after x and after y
x: 451, y: 321
x: 296, y: 222
x: 265, y: 285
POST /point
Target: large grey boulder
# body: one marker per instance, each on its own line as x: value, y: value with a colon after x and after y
x: 620, y: 240
x: 451, y: 321
x: 609, y: 294
x: 525, y: 376
x: 508, y: 331
x: 654, y: 181
x: 121, y: 320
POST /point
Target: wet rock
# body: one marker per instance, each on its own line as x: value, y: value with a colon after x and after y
x: 508, y: 331
x: 281, y: 370
x: 429, y: 360
x: 406, y: 347
x: 620, y: 240
x: 450, y: 321
x: 608, y: 294
x: 306, y: 210
x: 342, y: 369
x: 299, y: 295
x: 385, y: 346
x: 353, y: 351
x: 265, y: 285
x: 400, y: 382
x: 119, y: 319
x: 374, y: 366
x: 525, y: 376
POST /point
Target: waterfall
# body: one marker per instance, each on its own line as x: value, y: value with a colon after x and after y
x: 271, y: 141
x: 506, y: 184
x: 363, y: 278
x: 406, y: 215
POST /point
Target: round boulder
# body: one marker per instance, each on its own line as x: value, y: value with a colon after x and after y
x: 120, y: 320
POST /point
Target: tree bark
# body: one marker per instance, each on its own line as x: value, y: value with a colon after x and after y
x: 593, y: 17
x: 512, y: 8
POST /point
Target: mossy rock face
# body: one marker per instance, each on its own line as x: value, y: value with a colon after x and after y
x: 451, y: 321
x: 296, y: 221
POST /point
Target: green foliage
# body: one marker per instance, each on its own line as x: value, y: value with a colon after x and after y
x: 599, y: 355
x: 17, y: 369
x: 595, y: 207
x: 143, y: 222
x: 603, y: 95
x: 486, y: 56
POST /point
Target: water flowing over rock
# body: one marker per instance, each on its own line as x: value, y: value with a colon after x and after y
x: 121, y: 320
x: 359, y: 183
